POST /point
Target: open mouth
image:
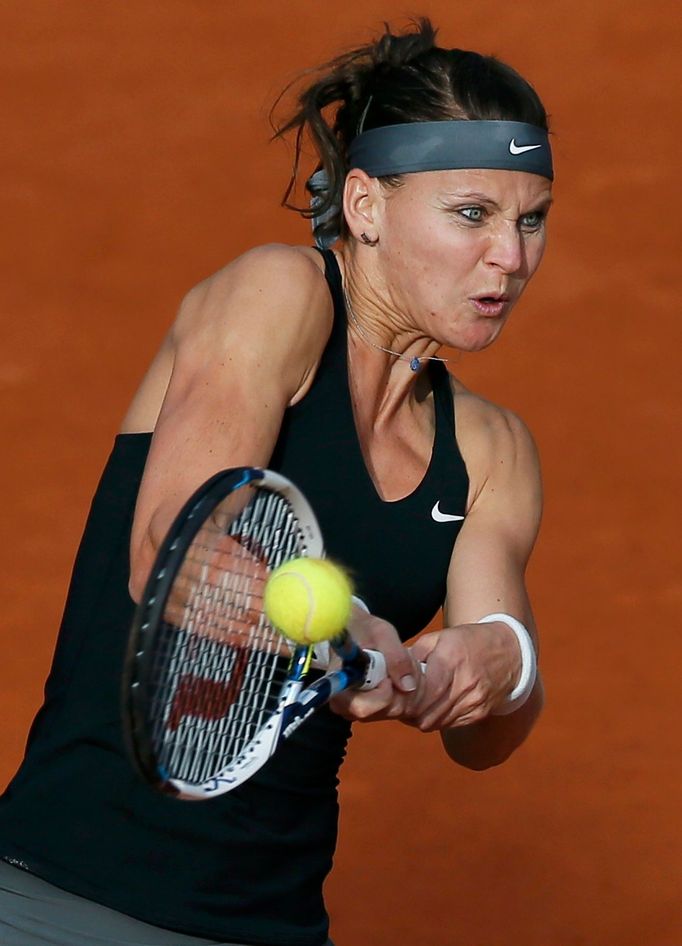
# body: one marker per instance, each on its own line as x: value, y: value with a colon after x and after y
x: 492, y: 305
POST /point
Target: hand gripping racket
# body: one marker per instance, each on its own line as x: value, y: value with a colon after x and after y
x: 211, y: 689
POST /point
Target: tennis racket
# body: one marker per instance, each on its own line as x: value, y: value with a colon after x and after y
x: 211, y: 689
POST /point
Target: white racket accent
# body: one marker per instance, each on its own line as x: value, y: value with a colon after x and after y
x: 376, y: 671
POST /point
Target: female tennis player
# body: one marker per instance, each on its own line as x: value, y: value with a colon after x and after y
x: 433, y: 186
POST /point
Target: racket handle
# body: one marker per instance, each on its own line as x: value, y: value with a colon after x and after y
x: 375, y: 670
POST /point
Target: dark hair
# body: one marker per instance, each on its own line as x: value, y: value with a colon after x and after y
x: 399, y: 78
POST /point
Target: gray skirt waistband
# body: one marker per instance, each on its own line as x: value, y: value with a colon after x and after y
x: 35, y: 913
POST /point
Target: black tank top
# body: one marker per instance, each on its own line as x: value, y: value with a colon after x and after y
x: 248, y: 866
x: 398, y: 552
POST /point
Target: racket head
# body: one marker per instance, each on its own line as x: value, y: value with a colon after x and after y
x: 205, y: 670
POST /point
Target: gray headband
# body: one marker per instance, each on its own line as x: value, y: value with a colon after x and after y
x: 452, y: 145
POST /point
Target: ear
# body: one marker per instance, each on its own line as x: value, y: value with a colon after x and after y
x: 361, y: 204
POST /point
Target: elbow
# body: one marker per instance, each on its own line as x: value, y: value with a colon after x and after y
x: 490, y: 742
x: 141, y: 560
x: 145, y: 543
x: 486, y: 760
x: 135, y: 588
x: 136, y: 585
x: 478, y: 758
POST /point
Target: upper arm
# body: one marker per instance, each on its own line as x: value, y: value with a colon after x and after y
x: 491, y: 553
x: 245, y: 345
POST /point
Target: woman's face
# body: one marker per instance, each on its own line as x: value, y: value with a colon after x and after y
x: 457, y: 249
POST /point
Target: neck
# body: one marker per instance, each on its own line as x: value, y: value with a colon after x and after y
x: 377, y: 330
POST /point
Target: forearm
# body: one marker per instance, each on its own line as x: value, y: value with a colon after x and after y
x: 491, y: 741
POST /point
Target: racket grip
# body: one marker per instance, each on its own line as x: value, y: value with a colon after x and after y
x: 375, y: 670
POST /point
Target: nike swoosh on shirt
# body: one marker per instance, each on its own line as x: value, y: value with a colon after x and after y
x: 519, y: 149
x: 439, y: 516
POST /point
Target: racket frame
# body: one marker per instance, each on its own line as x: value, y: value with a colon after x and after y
x: 149, y: 614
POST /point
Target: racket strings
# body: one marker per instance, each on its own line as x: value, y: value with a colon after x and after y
x: 218, y: 666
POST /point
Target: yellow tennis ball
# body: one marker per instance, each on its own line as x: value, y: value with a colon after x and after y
x: 308, y: 599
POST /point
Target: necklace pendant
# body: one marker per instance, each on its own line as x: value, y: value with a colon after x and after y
x: 415, y: 364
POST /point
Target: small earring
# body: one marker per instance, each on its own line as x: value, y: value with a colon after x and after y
x: 368, y: 241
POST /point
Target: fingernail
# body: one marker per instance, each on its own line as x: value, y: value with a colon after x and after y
x: 408, y: 682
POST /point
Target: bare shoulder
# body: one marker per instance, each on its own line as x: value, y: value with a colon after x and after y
x: 490, y: 426
x: 268, y: 311
x: 269, y: 306
x: 268, y: 284
x: 498, y: 448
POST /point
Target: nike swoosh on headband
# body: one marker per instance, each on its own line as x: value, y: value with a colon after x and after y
x: 439, y: 516
x: 520, y: 149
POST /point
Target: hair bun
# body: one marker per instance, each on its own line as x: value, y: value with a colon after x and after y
x: 395, y: 51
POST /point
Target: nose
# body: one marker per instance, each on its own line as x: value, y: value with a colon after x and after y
x: 506, y: 249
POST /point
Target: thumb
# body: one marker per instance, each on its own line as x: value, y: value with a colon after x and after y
x: 375, y: 633
x: 401, y: 666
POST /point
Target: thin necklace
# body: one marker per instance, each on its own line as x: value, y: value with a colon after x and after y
x: 414, y: 362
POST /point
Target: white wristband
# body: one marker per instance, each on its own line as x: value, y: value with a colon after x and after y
x: 529, y: 669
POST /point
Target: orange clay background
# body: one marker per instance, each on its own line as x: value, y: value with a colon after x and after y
x: 135, y: 161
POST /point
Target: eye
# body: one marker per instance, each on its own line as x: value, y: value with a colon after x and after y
x: 532, y: 221
x: 472, y: 214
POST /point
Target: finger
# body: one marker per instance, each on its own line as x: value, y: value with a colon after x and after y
x: 470, y: 707
x: 433, y: 692
x: 365, y: 705
x: 401, y: 667
x: 373, y: 632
